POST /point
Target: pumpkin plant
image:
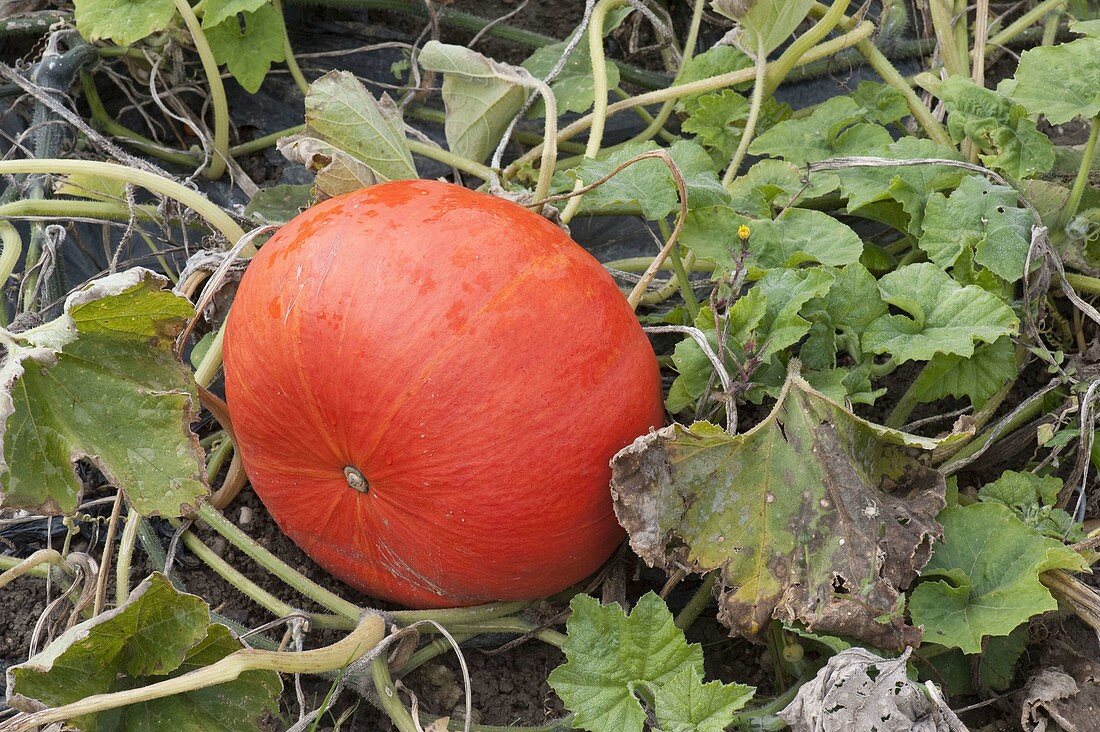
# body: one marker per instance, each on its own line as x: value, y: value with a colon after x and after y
x: 857, y: 314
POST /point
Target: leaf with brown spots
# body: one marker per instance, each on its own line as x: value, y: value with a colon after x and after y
x: 814, y: 515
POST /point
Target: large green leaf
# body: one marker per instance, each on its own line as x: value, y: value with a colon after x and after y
x: 720, y: 59
x: 157, y: 633
x: 122, y: 21
x: 1060, y: 82
x: 943, y: 316
x: 481, y: 96
x: 976, y: 378
x: 612, y: 656
x: 814, y: 515
x: 648, y: 184
x: 340, y: 111
x: 983, y: 217
x: 573, y: 87
x: 990, y: 562
x: 248, y: 49
x: 1002, y: 130
x: 909, y: 185
x: 834, y: 129
x: 102, y: 383
x: 764, y: 24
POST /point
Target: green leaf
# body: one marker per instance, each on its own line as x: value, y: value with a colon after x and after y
x: 881, y: 102
x: 648, y: 184
x: 982, y: 216
x: 997, y: 126
x: 481, y: 97
x: 976, y: 378
x: 351, y: 139
x: 216, y: 12
x: 721, y: 59
x: 610, y: 656
x: 991, y: 562
x: 717, y: 120
x: 763, y: 22
x: 278, y: 204
x: 813, y: 515
x: 768, y: 184
x: 96, y: 188
x: 831, y: 130
x: 786, y: 291
x: 834, y: 129
x: 1060, y: 82
x: 122, y: 21
x: 574, y: 86
x: 157, y: 633
x: 944, y: 317
x: 797, y: 237
x: 102, y: 383
x: 1033, y: 499
x: 909, y: 185
x: 248, y: 49
x: 686, y: 704
x: 997, y: 662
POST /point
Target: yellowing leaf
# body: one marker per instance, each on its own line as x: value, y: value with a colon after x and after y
x: 814, y: 515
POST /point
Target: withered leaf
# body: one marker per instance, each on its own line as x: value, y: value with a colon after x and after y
x: 814, y: 515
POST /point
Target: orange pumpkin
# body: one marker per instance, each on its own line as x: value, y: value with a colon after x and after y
x: 427, y: 385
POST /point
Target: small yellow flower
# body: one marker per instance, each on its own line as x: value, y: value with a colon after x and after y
x: 743, y: 232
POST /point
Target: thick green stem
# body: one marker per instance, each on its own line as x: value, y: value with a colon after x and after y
x: 712, y: 83
x: 1081, y: 182
x: 789, y: 58
x: 761, y: 66
x: 459, y: 615
x: 288, y: 51
x: 254, y: 592
x: 125, y: 554
x: 698, y: 602
x: 446, y: 156
x: 388, y: 698
x: 683, y: 281
x: 68, y: 208
x: 942, y: 12
x: 296, y: 580
x: 219, y: 156
x: 263, y: 142
x: 9, y: 257
x: 600, y: 92
x: 207, y: 370
x: 368, y: 634
x: 218, y: 218
x: 1025, y: 21
x: 103, y: 120
x: 1084, y: 283
x: 20, y: 567
x: 886, y: 71
x: 905, y: 406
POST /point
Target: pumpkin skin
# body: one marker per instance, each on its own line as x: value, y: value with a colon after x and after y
x: 476, y: 365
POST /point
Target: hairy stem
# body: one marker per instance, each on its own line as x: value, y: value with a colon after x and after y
x: 600, y: 90
x: 801, y: 45
x: 288, y: 51
x: 698, y: 602
x: 1025, y: 21
x: 299, y: 582
x: 761, y: 65
x: 217, y: 218
x: 125, y: 555
x: 220, y: 155
x: 31, y: 565
x: 254, y: 592
x: 1081, y: 182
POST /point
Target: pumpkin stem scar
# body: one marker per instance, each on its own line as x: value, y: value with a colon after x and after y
x: 356, y: 479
